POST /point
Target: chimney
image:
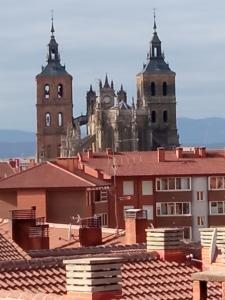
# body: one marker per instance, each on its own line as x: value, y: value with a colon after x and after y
x: 94, y: 278
x: 202, y: 152
x: 90, y: 232
x: 179, y: 152
x: 161, y: 154
x: 196, y: 152
x: 109, y: 151
x: 90, y: 153
x: 135, y: 225
x: 167, y: 243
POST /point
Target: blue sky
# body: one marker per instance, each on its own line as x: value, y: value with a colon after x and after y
x: 99, y: 36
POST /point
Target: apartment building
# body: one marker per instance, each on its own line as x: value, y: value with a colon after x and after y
x: 184, y: 187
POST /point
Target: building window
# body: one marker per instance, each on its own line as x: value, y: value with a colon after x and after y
x: 126, y: 207
x: 173, y: 184
x: 153, y: 89
x: 217, y: 207
x: 173, y: 209
x: 165, y: 116
x: 46, y: 91
x: 53, y: 54
x: 103, y: 219
x: 47, y: 120
x: 187, y: 233
x: 217, y: 183
x: 200, y: 196
x: 60, y: 90
x: 128, y: 188
x: 149, y: 209
x: 201, y: 220
x: 153, y: 116
x: 101, y: 196
x: 60, y: 119
x: 146, y: 187
x: 164, y: 87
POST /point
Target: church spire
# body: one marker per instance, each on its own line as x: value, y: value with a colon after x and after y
x: 155, y: 45
x: 53, y: 52
x: 52, y: 28
x: 106, y: 84
x: 154, y: 26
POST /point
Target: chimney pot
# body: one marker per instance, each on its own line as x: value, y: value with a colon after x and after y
x: 109, y: 151
x: 166, y: 242
x: 136, y: 223
x: 202, y: 152
x: 90, y: 153
x: 161, y: 154
x: 94, y: 278
x: 179, y: 152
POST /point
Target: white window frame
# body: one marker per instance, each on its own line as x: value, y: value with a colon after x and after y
x: 150, y: 211
x: 159, y: 184
x: 217, y: 179
x: 175, y: 214
x: 147, y: 187
x: 190, y: 233
x: 128, y: 188
x: 104, y: 219
x: 201, y: 221
x: 200, y: 196
x: 216, y: 213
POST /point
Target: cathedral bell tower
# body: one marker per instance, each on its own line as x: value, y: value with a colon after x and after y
x: 156, y: 93
x: 54, y: 104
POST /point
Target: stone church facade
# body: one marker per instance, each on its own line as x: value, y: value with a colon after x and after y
x: 145, y: 124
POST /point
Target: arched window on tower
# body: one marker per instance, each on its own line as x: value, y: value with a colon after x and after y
x: 164, y: 87
x: 165, y: 116
x: 60, y: 90
x: 53, y: 54
x: 46, y: 91
x: 153, y: 116
x: 60, y: 119
x: 153, y: 89
x: 47, y: 119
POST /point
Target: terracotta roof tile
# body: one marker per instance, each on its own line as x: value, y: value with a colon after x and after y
x: 146, y: 164
x: 9, y: 250
x: 48, y: 175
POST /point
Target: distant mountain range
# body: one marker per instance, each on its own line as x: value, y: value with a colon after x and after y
x: 209, y: 132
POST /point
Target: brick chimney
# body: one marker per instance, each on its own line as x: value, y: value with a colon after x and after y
x: 161, y: 154
x: 94, y: 278
x: 212, y: 247
x: 109, y: 151
x: 179, y: 152
x: 89, y: 153
x: 90, y: 232
x: 196, y: 152
x: 167, y: 243
x: 135, y: 225
x: 202, y: 152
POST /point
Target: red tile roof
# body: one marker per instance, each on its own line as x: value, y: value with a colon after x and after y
x: 9, y: 250
x: 142, y: 278
x: 49, y: 175
x: 5, y: 169
x: 146, y: 164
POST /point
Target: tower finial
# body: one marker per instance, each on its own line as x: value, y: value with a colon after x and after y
x: 52, y: 18
x: 154, y: 27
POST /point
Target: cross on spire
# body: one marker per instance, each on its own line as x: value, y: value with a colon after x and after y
x: 52, y: 18
x: 154, y: 27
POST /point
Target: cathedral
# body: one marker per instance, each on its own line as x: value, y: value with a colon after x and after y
x: 145, y: 124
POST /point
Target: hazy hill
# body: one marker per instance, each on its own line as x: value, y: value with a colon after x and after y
x: 208, y: 132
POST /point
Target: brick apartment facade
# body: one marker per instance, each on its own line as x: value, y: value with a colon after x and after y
x: 178, y: 188
x: 56, y: 193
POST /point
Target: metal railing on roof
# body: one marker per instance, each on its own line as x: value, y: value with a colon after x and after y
x: 23, y: 214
